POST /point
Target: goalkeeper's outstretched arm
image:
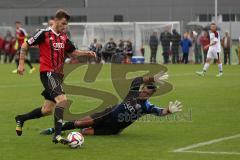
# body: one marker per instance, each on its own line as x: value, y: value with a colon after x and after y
x: 157, y: 78
x: 173, y: 107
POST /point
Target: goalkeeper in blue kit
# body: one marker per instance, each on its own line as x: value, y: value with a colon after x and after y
x: 114, y: 119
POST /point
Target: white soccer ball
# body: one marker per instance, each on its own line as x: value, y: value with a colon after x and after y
x: 76, y: 139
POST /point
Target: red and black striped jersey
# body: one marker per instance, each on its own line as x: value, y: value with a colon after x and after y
x: 21, y: 34
x: 53, y: 47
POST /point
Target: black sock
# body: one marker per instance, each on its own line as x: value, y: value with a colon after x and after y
x: 58, y: 120
x: 36, y: 113
x: 17, y: 62
x: 29, y: 63
x: 68, y: 126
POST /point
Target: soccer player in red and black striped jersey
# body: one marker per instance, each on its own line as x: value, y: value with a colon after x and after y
x: 53, y: 44
x: 21, y: 36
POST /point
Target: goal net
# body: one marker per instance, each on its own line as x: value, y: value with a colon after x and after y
x: 82, y: 34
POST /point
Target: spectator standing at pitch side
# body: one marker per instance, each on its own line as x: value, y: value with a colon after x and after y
x: 142, y: 51
x: 204, y: 40
x: 165, y: 39
x: 192, y: 48
x: 97, y: 48
x: 128, y: 49
x: 226, y: 44
x: 238, y: 50
x: 198, y: 49
x: 1, y: 48
x: 109, y: 50
x: 120, y: 47
x: 120, y: 54
x: 7, y: 47
x: 176, y: 39
x: 153, y: 43
x: 186, y: 45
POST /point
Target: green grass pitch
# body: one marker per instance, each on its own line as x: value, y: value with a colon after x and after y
x: 211, y: 111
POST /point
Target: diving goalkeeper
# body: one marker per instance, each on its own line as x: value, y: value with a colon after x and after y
x: 115, y: 119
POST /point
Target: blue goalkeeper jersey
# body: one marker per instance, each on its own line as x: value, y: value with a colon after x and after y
x: 133, y: 108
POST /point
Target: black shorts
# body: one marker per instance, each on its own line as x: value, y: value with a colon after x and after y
x: 104, y: 124
x: 52, y: 83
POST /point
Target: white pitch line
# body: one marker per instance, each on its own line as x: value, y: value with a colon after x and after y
x: 97, y: 80
x: 208, y: 152
x: 19, y: 86
x: 184, y: 149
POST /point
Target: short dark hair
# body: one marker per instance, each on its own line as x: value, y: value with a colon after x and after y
x: 213, y: 24
x: 150, y: 85
x: 62, y: 14
x: 18, y: 22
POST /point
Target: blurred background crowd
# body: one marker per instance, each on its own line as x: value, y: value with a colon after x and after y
x: 168, y: 45
x: 181, y: 43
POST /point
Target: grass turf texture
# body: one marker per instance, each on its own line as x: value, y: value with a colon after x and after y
x: 214, y: 105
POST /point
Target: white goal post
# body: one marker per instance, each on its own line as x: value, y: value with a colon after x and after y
x: 82, y: 34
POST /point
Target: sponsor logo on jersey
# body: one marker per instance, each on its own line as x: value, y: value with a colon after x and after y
x: 131, y: 108
x: 58, y: 46
x: 62, y: 38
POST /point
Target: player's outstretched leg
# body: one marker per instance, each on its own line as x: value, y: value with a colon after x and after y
x: 220, y: 69
x: 205, y: 68
x: 66, y: 126
x: 47, y: 131
x: 19, y: 125
x: 45, y: 110
x: 20, y: 119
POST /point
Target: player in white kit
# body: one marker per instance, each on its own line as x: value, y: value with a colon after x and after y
x: 213, y: 51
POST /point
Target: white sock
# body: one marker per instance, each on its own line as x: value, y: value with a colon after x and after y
x: 206, y: 66
x: 220, y: 67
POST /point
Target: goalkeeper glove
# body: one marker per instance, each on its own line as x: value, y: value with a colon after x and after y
x: 160, y: 77
x: 175, y: 107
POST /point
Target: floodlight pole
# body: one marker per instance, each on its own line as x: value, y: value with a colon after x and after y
x: 216, y: 11
x: 85, y: 3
